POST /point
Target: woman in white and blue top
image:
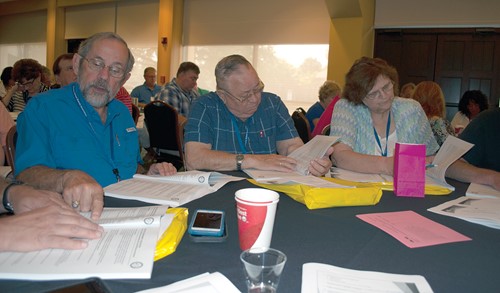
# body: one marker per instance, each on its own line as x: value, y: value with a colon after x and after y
x: 370, y: 119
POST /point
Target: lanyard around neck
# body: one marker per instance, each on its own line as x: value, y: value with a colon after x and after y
x: 238, y: 135
x: 115, y: 170
x: 384, y: 153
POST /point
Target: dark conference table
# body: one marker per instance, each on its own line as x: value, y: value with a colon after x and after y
x: 332, y: 236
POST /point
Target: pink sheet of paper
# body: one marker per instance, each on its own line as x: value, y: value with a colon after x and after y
x: 412, y: 229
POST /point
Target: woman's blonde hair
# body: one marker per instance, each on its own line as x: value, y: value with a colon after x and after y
x: 329, y: 89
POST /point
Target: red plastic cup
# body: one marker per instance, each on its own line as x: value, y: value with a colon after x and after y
x: 255, y: 209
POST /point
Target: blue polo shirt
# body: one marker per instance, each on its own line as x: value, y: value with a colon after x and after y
x: 60, y: 130
x: 314, y: 112
x: 210, y: 122
x: 143, y: 93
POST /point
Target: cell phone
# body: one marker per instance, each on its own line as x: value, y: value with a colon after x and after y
x: 207, y: 223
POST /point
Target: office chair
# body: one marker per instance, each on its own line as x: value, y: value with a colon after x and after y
x: 302, y: 124
x: 165, y: 135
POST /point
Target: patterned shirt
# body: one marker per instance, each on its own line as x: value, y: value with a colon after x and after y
x: 210, y: 122
x: 441, y: 129
x: 20, y: 99
x: 353, y: 124
x: 123, y: 96
x: 181, y: 100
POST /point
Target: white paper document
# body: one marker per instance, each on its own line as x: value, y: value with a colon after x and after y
x: 452, y: 149
x: 125, y: 250
x: 174, y: 190
x: 204, y: 283
x: 480, y: 190
x: 275, y: 177
x: 314, y: 149
x: 483, y: 211
x: 323, y: 278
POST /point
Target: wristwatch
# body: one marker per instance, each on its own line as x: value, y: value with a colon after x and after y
x: 239, y: 161
x: 7, y: 205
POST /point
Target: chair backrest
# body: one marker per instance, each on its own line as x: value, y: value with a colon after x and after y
x: 326, y: 130
x: 164, y: 132
x: 11, y: 146
x: 136, y: 112
x: 301, y: 110
x: 301, y: 124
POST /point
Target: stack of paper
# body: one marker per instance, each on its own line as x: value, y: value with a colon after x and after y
x: 480, y: 190
x: 314, y: 149
x: 318, y: 277
x: 174, y: 190
x: 125, y: 250
x: 483, y: 211
x: 213, y: 283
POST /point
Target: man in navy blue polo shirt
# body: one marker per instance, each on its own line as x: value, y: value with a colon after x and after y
x: 241, y: 127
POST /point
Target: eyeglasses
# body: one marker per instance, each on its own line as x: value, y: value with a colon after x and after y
x: 386, y: 89
x: 97, y: 64
x: 242, y: 99
x: 27, y: 84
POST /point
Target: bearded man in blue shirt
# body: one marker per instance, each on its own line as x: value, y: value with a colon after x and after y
x: 78, y: 139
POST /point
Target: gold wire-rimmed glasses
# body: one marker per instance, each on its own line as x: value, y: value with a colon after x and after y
x: 97, y: 64
x: 242, y: 99
x: 386, y: 89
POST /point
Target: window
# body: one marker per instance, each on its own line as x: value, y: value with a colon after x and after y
x: 144, y: 57
x: 293, y: 72
x: 10, y: 53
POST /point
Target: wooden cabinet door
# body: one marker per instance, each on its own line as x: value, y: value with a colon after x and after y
x: 467, y: 62
x: 413, y: 55
x: 457, y: 59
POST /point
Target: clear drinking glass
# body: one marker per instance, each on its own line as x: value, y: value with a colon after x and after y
x: 263, y: 268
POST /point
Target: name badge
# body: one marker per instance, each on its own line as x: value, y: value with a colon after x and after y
x: 131, y: 129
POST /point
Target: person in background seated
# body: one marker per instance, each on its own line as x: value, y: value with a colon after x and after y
x: 78, y: 139
x: 42, y: 220
x: 325, y: 118
x: 46, y: 76
x: 28, y: 75
x: 241, y: 127
x: 484, y: 134
x: 407, y: 90
x: 327, y: 92
x: 181, y: 91
x: 63, y: 70
x: 6, y: 82
x: 370, y: 119
x: 472, y: 103
x: 431, y: 98
x: 481, y: 163
x: 149, y: 89
x: 6, y: 123
x: 125, y: 98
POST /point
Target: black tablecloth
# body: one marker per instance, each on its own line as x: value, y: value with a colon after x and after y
x: 332, y: 236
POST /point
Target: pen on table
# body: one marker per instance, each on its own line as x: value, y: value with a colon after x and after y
x: 430, y: 166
